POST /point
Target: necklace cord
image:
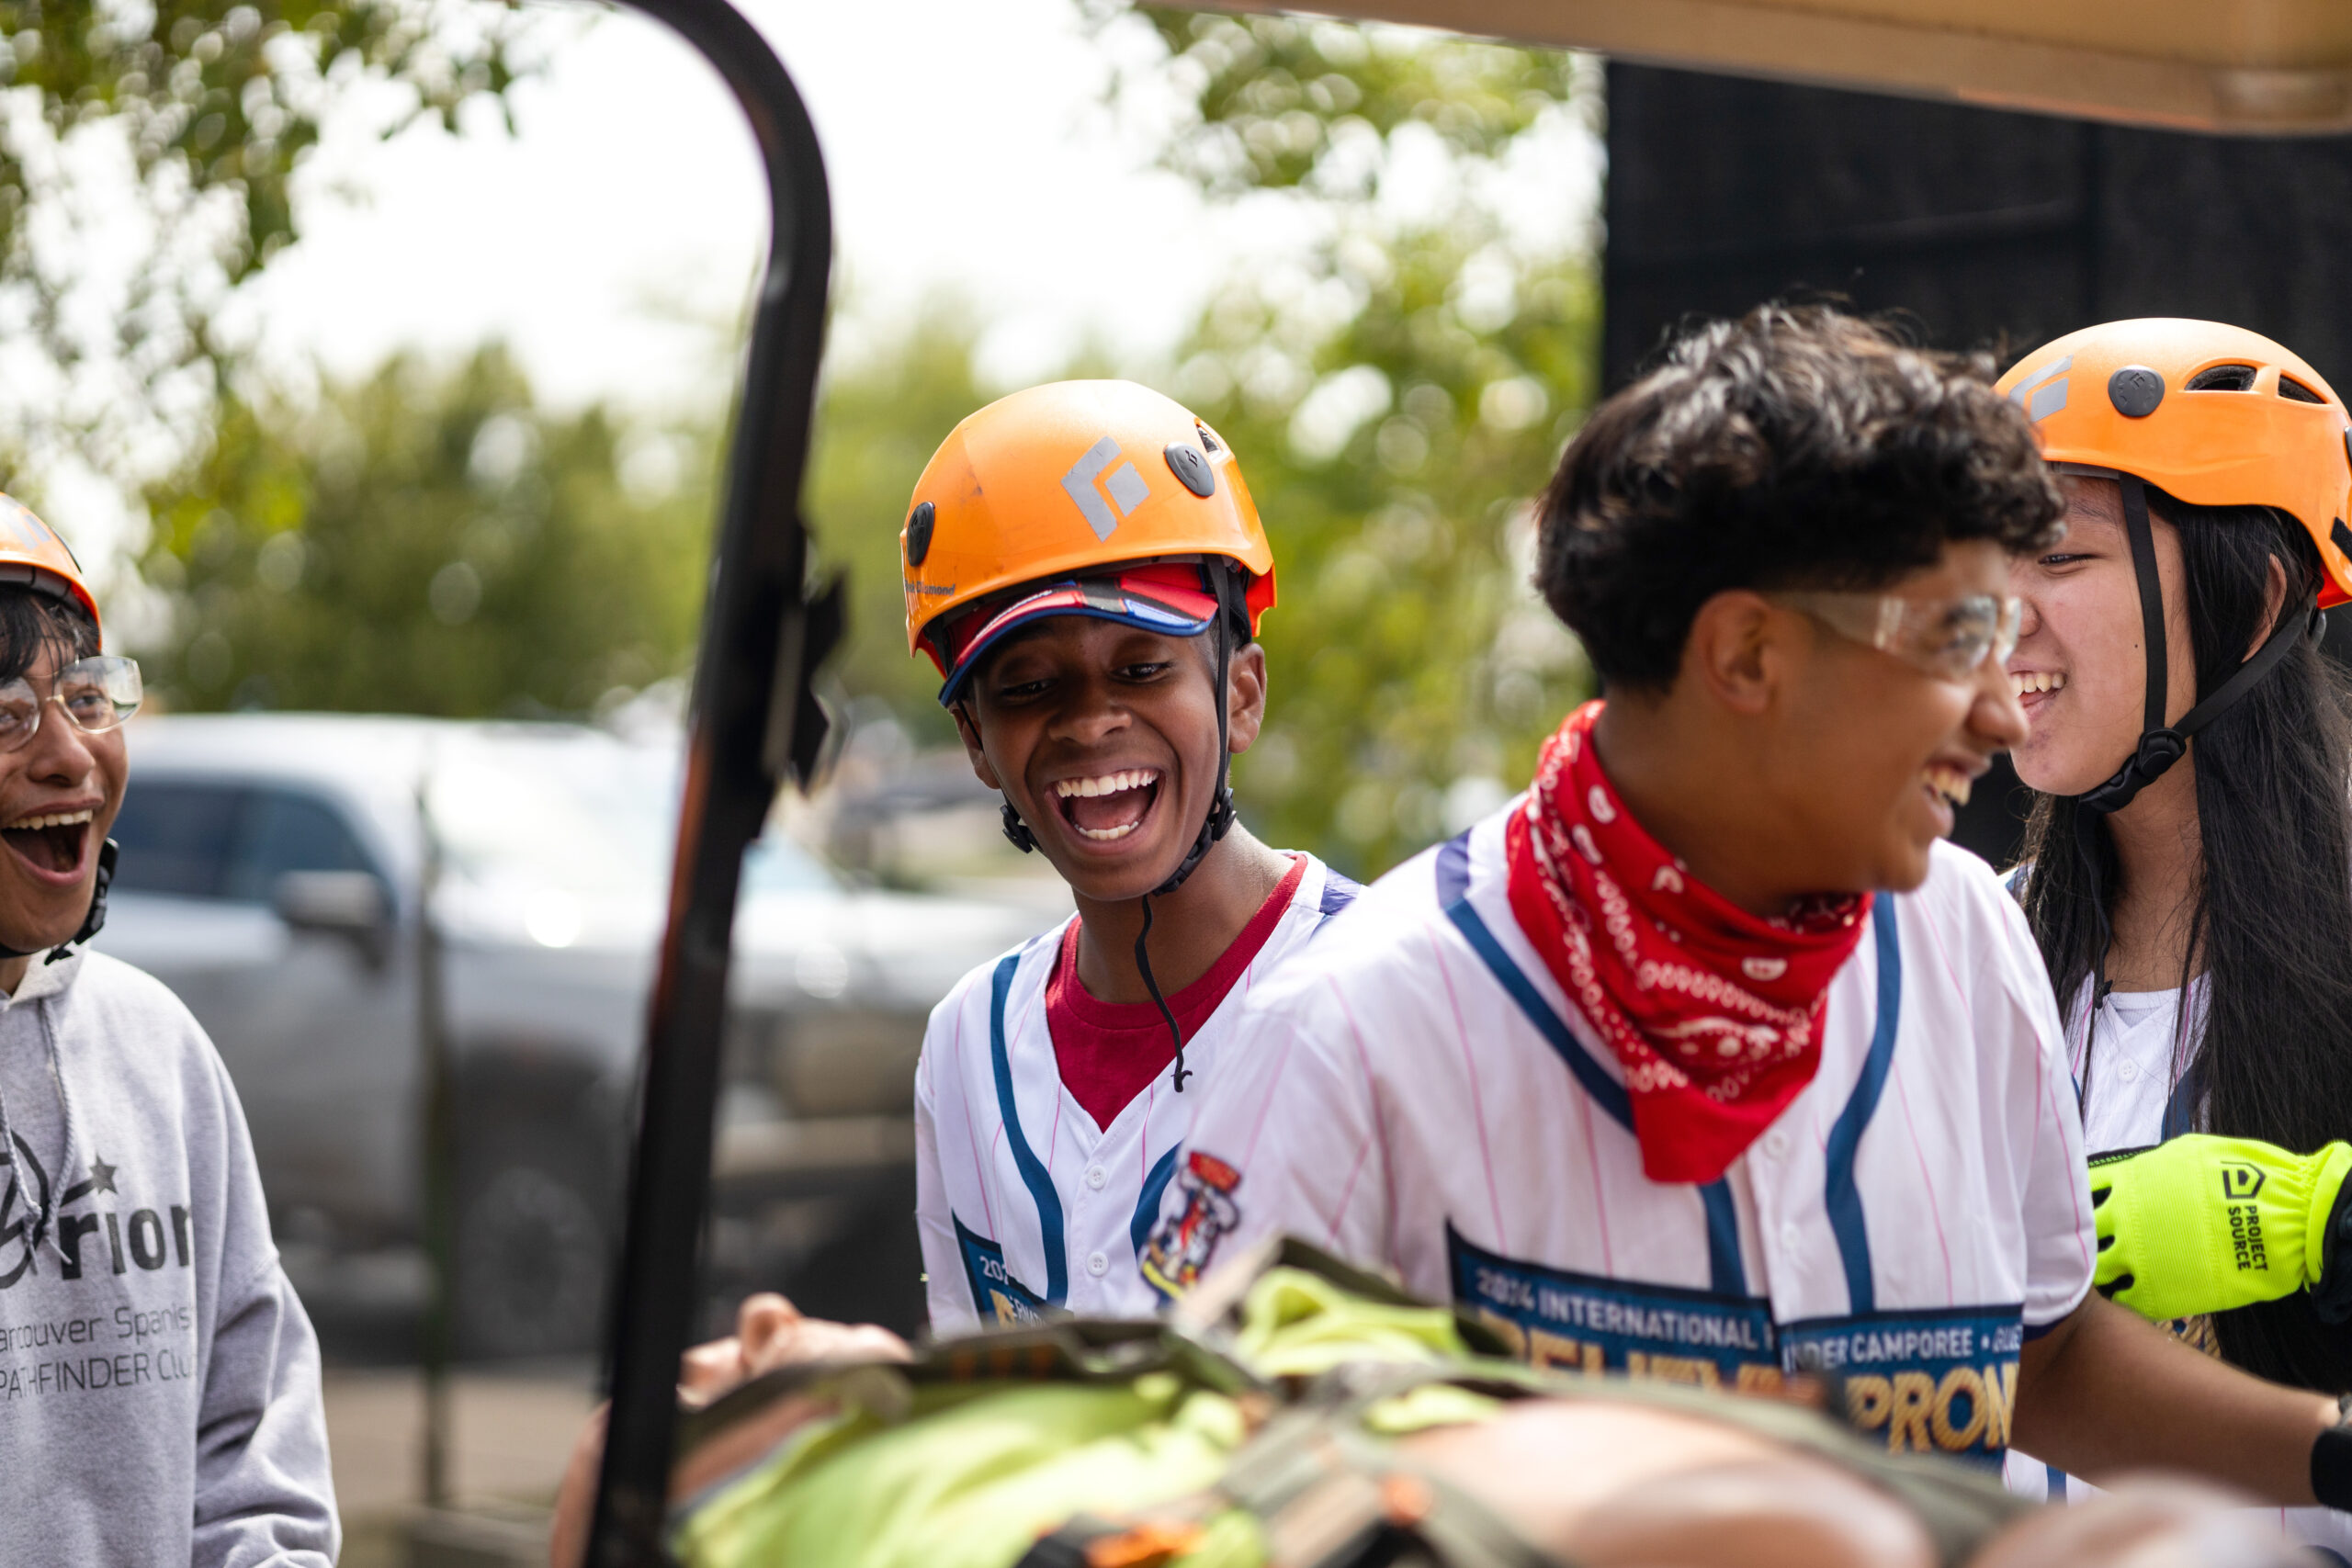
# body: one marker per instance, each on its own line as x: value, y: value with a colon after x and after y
x: 1143, y: 963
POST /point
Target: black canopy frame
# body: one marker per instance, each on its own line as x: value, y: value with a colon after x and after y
x: 755, y: 722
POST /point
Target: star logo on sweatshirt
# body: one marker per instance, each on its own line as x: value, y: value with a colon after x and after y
x: 101, y: 1176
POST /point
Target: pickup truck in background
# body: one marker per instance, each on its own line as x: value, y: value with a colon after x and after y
x: 271, y: 875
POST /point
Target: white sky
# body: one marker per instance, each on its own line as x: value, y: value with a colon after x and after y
x: 967, y: 148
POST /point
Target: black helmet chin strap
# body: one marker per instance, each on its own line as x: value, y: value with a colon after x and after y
x: 91, y: 921
x: 2162, y: 745
x: 1232, y: 622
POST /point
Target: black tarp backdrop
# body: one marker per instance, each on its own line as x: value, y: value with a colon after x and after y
x: 1996, y: 231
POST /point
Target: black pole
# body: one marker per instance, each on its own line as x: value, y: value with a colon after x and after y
x: 753, y: 723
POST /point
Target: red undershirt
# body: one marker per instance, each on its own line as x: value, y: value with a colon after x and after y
x: 1109, y: 1051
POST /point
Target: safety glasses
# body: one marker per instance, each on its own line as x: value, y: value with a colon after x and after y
x: 96, y: 693
x: 1948, y: 638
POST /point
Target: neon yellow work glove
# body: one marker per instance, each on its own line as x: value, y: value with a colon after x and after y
x: 2204, y: 1224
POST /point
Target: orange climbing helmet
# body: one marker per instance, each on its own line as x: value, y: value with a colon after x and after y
x: 32, y: 553
x: 2213, y: 415
x: 1103, y: 498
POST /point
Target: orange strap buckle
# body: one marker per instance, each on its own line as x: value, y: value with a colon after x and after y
x: 1149, y: 1544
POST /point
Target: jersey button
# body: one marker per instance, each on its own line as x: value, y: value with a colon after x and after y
x: 1789, y: 1237
x: 1097, y: 1264
x: 1776, y: 1143
x: 1095, y: 1177
x: 2128, y: 1070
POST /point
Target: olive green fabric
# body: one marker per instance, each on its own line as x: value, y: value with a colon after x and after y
x: 970, y: 1473
x: 971, y: 1477
x: 2204, y: 1224
x: 965, y: 1458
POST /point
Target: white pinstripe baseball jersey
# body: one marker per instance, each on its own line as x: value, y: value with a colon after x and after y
x: 1022, y: 1199
x: 1416, y: 1091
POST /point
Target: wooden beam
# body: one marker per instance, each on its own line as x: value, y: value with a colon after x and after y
x: 2261, y: 67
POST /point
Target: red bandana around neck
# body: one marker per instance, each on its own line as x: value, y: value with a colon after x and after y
x: 1714, y: 1015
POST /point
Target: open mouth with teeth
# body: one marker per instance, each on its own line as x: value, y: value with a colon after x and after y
x: 2033, y: 687
x: 1945, y: 785
x: 1109, y: 807
x: 51, y: 841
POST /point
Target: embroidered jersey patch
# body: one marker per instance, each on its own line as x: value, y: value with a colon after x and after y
x: 997, y: 1296
x: 1183, y: 1244
x: 1940, y: 1380
x: 1553, y: 1317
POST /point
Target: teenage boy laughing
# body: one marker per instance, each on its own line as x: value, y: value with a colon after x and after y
x: 159, y: 1382
x: 1704, y: 1058
x: 1084, y: 565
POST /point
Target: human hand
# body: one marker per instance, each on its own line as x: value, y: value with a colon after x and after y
x: 770, y: 1332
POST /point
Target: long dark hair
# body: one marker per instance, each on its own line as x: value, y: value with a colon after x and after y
x: 2272, y: 921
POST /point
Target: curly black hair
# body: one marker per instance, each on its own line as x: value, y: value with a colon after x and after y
x: 1798, y: 447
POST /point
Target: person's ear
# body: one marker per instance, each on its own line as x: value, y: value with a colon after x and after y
x: 2274, y: 599
x: 1736, y: 651
x: 973, y: 750
x: 1245, y: 699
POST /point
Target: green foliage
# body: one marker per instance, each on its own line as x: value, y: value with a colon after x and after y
x: 880, y: 418
x: 1411, y: 672
x: 1286, y: 102
x: 361, y: 502
x: 1397, y: 399
x: 214, y: 104
x: 425, y: 543
x: 227, y: 95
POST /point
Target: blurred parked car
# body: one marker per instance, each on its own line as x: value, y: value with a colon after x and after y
x: 270, y: 874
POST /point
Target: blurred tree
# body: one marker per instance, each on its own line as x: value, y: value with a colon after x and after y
x: 1277, y: 102
x: 881, y: 413
x: 1397, y: 394
x: 1397, y: 397
x: 198, y: 112
x: 427, y: 543
x: 1412, y: 671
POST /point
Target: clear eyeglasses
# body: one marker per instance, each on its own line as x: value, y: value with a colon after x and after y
x: 1948, y: 638
x: 96, y: 693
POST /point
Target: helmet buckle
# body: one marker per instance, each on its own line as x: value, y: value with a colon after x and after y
x: 1017, y: 830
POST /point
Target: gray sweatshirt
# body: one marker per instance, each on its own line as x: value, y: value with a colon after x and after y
x: 159, y: 1382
